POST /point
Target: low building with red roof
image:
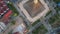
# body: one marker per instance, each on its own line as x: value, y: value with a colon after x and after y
x: 5, y: 14
x: 4, y: 10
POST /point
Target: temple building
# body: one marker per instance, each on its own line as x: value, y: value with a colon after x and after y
x: 33, y: 9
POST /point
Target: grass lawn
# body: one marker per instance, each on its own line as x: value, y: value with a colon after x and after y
x: 40, y: 30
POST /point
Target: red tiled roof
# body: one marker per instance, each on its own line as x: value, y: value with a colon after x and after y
x: 4, y: 10
x: 6, y: 17
x: 8, y: 14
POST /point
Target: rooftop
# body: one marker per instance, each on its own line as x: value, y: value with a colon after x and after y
x: 3, y: 8
x: 33, y: 9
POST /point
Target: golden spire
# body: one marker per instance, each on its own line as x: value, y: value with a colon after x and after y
x: 35, y: 1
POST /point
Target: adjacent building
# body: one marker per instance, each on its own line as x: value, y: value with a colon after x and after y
x: 20, y: 29
x: 5, y: 14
